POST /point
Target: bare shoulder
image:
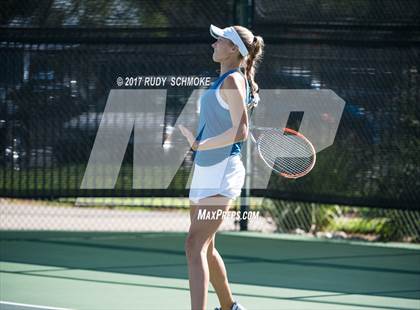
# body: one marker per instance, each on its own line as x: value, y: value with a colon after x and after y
x: 236, y: 82
x: 233, y: 81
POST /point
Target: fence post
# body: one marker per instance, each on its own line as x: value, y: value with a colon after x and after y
x: 243, y: 12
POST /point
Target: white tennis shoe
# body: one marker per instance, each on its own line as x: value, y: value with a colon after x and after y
x: 235, y: 306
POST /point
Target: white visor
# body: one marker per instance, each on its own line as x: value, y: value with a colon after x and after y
x: 230, y: 34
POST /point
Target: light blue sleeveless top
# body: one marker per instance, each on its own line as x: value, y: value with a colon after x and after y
x: 214, y: 120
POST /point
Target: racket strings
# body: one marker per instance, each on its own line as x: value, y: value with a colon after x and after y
x: 281, y: 145
x: 290, y: 166
x: 286, y: 153
x: 289, y: 143
x: 290, y: 159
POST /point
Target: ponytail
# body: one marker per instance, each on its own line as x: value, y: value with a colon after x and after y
x: 253, y: 59
x: 255, y: 46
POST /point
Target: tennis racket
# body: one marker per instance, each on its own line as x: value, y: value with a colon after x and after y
x: 285, y: 151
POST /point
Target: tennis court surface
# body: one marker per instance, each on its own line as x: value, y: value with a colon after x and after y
x: 88, y: 270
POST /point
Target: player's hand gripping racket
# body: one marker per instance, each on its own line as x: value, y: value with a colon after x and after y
x: 286, y: 151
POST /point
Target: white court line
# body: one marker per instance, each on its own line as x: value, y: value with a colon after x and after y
x: 27, y: 305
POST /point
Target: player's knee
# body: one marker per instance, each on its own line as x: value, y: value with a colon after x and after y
x: 211, y: 251
x: 194, y: 245
x: 211, y: 254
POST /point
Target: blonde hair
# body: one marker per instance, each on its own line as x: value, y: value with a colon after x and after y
x: 255, y: 46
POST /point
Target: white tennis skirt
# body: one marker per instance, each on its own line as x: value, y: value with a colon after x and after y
x: 225, y: 178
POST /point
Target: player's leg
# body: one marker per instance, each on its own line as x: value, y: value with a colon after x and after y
x: 199, y: 237
x: 217, y: 271
x: 218, y: 276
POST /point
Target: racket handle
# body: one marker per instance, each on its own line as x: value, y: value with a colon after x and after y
x: 251, y: 110
x: 252, y: 137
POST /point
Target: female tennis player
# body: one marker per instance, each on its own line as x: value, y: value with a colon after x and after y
x: 219, y: 173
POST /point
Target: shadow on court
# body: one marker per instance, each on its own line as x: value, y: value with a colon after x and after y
x: 328, y: 272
